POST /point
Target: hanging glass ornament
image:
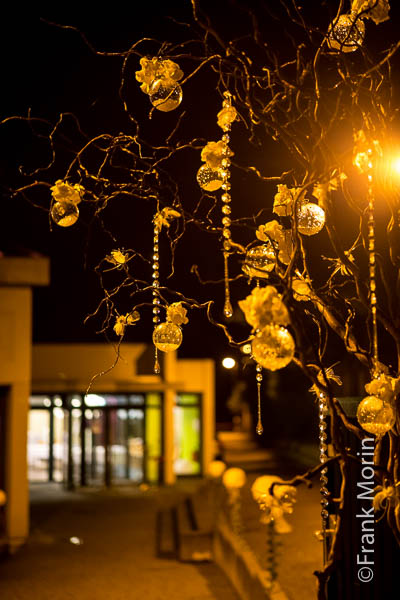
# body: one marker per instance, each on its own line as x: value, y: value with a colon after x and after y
x: 375, y: 415
x: 259, y: 261
x: 64, y: 214
x: 273, y: 347
x: 209, y: 179
x: 310, y: 218
x: 165, y: 94
x: 167, y: 337
x: 346, y: 34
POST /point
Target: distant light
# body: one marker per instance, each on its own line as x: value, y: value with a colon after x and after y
x: 47, y: 402
x: 246, y: 348
x: 228, y: 362
x: 94, y: 400
x: 76, y: 541
x: 396, y: 165
x: 57, y: 402
x: 58, y: 412
x: 75, y: 402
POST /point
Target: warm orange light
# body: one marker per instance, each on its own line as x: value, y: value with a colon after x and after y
x: 396, y: 165
x: 228, y: 362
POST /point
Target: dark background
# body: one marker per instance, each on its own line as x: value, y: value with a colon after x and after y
x: 49, y: 70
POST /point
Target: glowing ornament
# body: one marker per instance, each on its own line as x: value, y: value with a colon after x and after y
x: 216, y: 469
x: 273, y: 347
x: 167, y: 337
x: 234, y: 478
x: 64, y: 214
x: 375, y: 415
x: 310, y: 218
x: 165, y: 94
x: 259, y: 261
x: 209, y: 179
x: 346, y: 34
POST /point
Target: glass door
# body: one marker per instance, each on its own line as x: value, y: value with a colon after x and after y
x: 187, y: 434
x: 38, y: 444
x: 126, y: 444
x: 94, y: 446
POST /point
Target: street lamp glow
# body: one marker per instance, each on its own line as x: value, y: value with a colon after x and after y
x: 228, y: 362
x: 396, y: 165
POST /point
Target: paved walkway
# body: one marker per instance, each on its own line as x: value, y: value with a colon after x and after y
x: 113, y: 556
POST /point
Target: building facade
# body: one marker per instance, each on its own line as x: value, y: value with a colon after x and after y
x: 73, y: 414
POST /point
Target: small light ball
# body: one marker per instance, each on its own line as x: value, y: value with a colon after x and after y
x: 259, y: 261
x: 209, y: 179
x: 165, y: 95
x: 346, y: 34
x: 310, y: 218
x: 234, y: 478
x: 273, y: 347
x: 167, y: 337
x: 216, y: 468
x: 64, y: 214
x: 375, y: 415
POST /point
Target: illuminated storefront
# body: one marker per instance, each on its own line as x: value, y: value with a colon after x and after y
x: 104, y: 439
x: 141, y: 429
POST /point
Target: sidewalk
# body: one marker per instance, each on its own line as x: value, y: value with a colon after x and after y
x: 113, y: 556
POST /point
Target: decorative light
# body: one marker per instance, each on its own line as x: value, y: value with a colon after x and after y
x: 228, y: 362
x: 155, y: 286
x: 64, y: 214
x: 234, y: 478
x: 310, y: 218
x: 167, y: 337
x: 323, y: 457
x: 375, y: 415
x: 346, y: 34
x: 159, y: 79
x: 259, y: 261
x: 216, y: 468
x: 165, y: 95
x: 209, y: 179
x: 273, y: 347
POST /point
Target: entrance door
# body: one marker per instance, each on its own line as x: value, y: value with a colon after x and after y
x: 126, y: 444
x: 39, y: 445
x: 94, y: 443
x: 113, y: 443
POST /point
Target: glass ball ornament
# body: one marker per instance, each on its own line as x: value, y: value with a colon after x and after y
x: 259, y: 261
x: 167, y: 337
x: 310, y: 218
x: 346, y: 34
x: 209, y: 179
x: 375, y: 415
x: 64, y: 214
x: 273, y: 347
x: 165, y: 95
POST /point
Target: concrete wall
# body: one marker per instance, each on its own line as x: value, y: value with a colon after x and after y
x: 199, y: 376
x: 15, y: 373
x: 17, y: 276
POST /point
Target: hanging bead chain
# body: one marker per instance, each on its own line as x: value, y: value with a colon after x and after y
x: 226, y: 208
x: 323, y: 455
x: 272, y: 563
x: 155, y: 286
x: 372, y: 263
x: 259, y: 378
